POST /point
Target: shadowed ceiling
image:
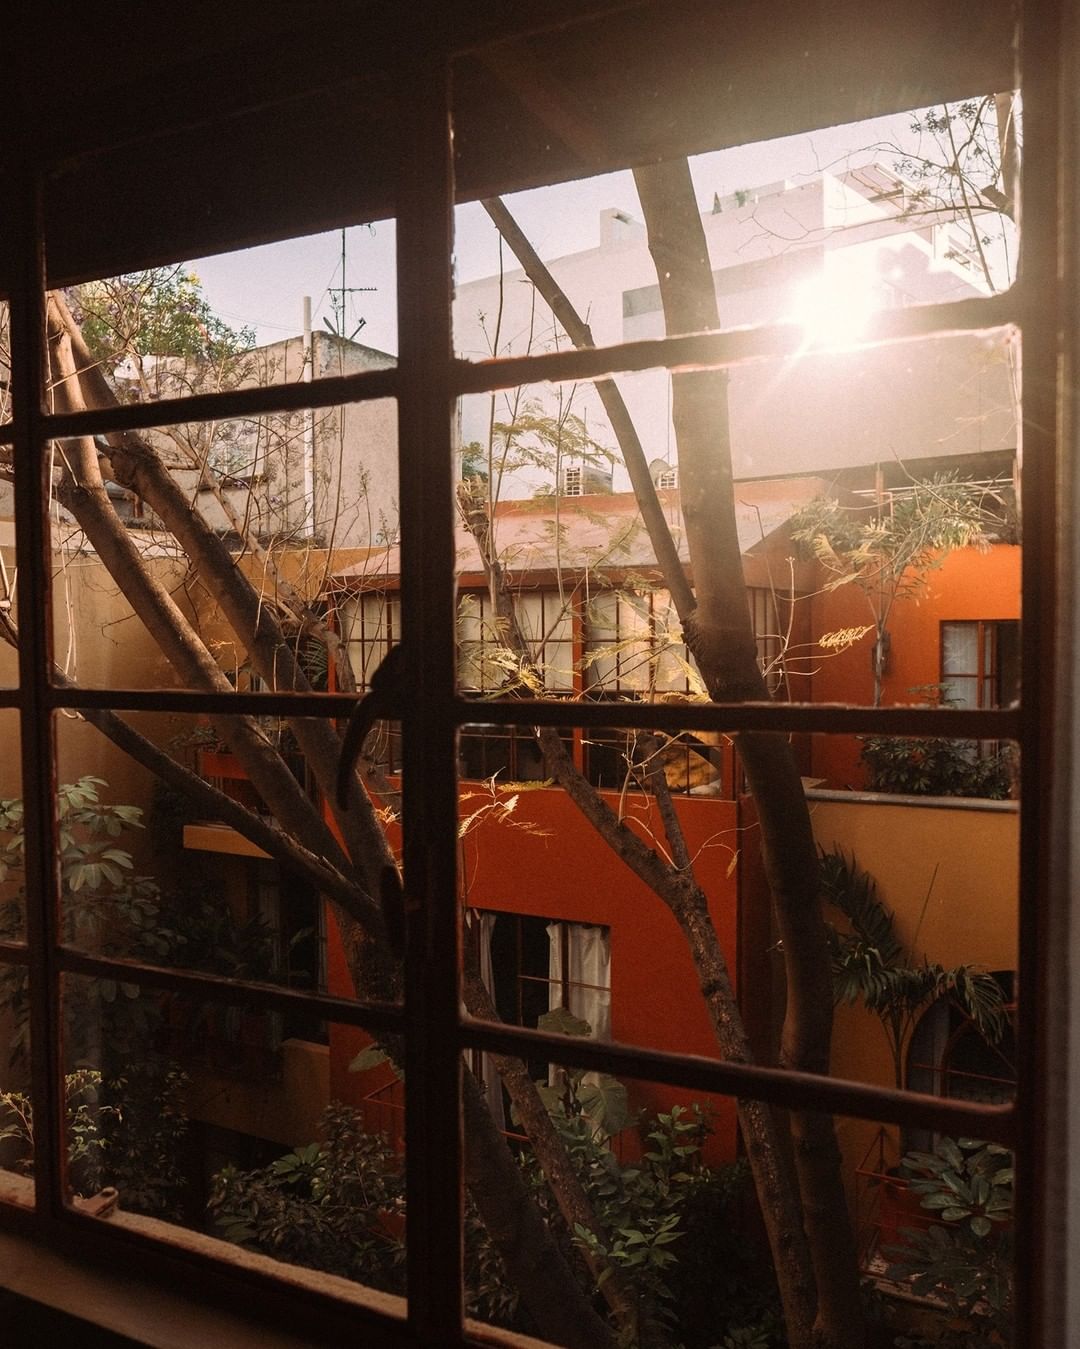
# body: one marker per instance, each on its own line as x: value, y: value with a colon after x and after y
x: 227, y: 125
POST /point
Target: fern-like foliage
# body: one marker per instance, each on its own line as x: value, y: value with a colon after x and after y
x: 871, y: 965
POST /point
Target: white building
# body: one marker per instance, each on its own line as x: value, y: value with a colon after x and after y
x: 830, y: 251
x: 326, y: 477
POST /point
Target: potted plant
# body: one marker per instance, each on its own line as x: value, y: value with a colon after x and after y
x: 962, y: 1256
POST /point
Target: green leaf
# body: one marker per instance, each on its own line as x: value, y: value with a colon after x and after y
x: 560, y: 1021
x: 368, y: 1058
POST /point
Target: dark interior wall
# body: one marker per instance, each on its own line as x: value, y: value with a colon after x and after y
x: 29, y: 1325
x: 169, y: 150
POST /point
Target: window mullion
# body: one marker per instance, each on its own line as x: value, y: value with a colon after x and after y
x: 34, y: 595
x: 426, y: 420
x: 1047, y: 816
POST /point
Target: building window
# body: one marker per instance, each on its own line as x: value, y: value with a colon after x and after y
x: 632, y: 646
x: 533, y: 966
x: 370, y: 625
x: 980, y: 663
x: 508, y: 753
x: 546, y: 621
x: 948, y: 1055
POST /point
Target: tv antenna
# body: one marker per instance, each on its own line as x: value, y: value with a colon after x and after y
x: 339, y: 303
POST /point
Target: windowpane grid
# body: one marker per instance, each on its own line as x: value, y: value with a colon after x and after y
x: 34, y: 700
x: 364, y: 672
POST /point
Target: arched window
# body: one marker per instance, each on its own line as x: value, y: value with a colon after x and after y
x: 949, y: 1056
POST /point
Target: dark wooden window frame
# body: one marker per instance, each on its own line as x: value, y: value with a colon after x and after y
x: 426, y: 382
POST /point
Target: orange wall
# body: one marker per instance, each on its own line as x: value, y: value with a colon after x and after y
x: 565, y: 872
x: 968, y: 585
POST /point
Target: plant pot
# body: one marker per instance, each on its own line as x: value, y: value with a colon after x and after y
x: 900, y: 1209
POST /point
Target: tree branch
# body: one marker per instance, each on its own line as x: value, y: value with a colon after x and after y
x: 136, y: 465
x: 652, y: 513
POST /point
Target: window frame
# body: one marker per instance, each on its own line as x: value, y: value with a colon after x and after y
x: 988, y: 668
x: 426, y: 382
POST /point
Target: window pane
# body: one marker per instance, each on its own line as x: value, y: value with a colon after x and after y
x: 823, y: 230
x: 16, y: 1109
x: 867, y: 581
x: 158, y: 869
x: 237, y: 319
x: 911, y: 1239
x: 921, y: 891
x: 919, y: 897
x: 202, y: 1115
x: 621, y: 1136
x: 142, y: 600
x: 631, y: 1141
x: 16, y: 1134
x: 12, y: 878
x: 959, y: 648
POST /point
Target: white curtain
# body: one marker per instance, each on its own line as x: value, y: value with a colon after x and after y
x: 488, y: 1072
x: 587, y: 978
x: 960, y: 662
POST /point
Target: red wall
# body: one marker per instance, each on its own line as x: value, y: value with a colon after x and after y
x: 565, y: 872
x: 968, y: 585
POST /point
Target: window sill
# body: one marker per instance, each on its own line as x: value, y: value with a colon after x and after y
x: 108, y: 1283
x: 92, y: 1283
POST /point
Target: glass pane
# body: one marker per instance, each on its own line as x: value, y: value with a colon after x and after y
x: 16, y: 1108
x: 12, y: 878
x: 821, y: 230
x: 647, y: 874
x: 920, y: 882
x: 289, y: 502
x: 16, y: 1117
x: 169, y: 859
x: 302, y: 308
x: 214, y: 1117
x: 867, y: 580
x: 658, y: 1216
x: 655, y: 1178
x: 913, y: 1239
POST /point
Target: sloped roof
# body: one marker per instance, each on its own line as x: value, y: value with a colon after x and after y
x: 602, y: 532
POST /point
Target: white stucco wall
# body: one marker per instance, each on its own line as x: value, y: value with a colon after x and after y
x: 941, y: 397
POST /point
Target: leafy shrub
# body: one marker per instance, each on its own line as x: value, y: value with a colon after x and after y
x: 935, y: 766
x: 123, y: 1132
x: 331, y: 1205
x: 338, y: 1204
x: 966, y: 1260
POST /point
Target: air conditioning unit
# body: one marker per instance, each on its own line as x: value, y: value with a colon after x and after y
x: 579, y: 480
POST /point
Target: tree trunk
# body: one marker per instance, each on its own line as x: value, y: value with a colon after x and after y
x: 546, y: 1283
x: 718, y: 631
x: 566, y: 1186
x: 721, y: 639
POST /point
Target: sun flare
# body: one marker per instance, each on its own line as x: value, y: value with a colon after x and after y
x: 833, y: 312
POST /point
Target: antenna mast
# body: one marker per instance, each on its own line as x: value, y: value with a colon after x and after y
x: 339, y: 302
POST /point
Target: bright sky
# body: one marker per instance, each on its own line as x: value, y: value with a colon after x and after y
x: 264, y: 287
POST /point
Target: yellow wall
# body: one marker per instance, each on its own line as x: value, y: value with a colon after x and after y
x: 966, y: 856
x: 285, y: 1111
x: 99, y: 643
